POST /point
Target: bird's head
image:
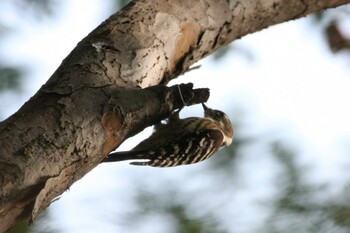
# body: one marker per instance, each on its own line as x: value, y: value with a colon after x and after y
x: 222, y: 121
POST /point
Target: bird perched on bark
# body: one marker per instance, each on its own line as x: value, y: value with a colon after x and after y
x: 181, y: 141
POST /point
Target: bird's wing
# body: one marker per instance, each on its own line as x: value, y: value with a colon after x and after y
x: 189, y: 149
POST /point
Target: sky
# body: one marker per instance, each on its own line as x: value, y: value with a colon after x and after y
x: 291, y: 88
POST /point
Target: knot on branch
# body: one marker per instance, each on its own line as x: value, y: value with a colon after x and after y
x: 129, y: 111
x: 185, y: 95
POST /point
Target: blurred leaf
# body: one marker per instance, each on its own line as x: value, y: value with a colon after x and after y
x: 10, y: 78
x: 20, y: 228
x: 169, y: 203
x: 318, y: 16
x: 342, y: 216
x: 221, y: 52
x: 123, y: 2
x: 230, y: 48
x: 322, y: 17
x: 38, y: 8
x: 186, y: 223
x: 335, y: 38
x: 294, y: 192
x: 297, y: 209
x: 3, y: 29
x: 44, y: 224
x: 118, y: 4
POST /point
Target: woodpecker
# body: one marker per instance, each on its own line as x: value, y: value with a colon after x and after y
x: 181, y: 141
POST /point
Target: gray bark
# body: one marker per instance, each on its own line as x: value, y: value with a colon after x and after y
x: 105, y: 90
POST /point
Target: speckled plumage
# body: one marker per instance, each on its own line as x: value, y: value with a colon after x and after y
x: 181, y: 141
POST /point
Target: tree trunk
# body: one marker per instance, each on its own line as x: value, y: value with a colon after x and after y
x: 107, y: 90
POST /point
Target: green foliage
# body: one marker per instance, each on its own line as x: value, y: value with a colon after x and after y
x: 10, y: 78
x: 221, y: 52
x: 44, y: 224
x: 301, y: 206
x: 294, y: 208
x: 333, y: 24
x: 123, y: 2
x: 20, y: 228
x: 11, y: 75
x: 37, y: 8
x: 169, y: 205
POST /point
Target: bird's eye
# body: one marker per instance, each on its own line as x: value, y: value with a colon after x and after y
x: 218, y: 114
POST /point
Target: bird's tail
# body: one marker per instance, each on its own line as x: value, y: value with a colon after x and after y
x: 122, y: 156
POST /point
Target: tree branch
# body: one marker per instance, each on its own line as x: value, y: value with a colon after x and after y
x: 106, y: 90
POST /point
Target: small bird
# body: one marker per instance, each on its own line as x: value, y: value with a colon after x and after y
x: 181, y: 141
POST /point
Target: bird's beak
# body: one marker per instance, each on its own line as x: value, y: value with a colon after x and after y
x: 204, y: 107
x: 207, y: 110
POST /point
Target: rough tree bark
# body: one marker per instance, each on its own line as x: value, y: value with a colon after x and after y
x: 107, y: 90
